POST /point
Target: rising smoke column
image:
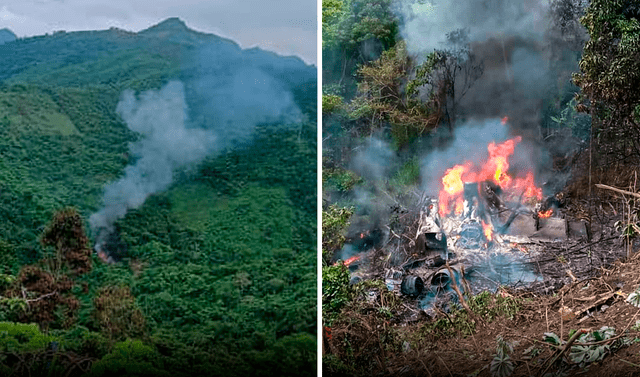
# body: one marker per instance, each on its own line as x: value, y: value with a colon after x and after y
x: 165, y: 144
x: 235, y: 103
x: 425, y: 24
x: 514, y: 40
x: 232, y: 106
x: 507, y: 36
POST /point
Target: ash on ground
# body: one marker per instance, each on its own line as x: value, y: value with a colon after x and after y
x: 491, y: 244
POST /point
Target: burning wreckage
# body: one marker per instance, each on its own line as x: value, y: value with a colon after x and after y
x: 485, y: 230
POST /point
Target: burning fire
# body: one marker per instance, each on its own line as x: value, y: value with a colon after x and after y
x: 103, y: 256
x: 528, y: 186
x: 488, y: 230
x: 348, y: 261
x: 545, y: 214
x: 453, y: 188
x: 494, y: 169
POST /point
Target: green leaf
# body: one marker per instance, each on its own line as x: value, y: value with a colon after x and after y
x: 598, y: 336
x: 501, y: 366
x: 552, y: 338
x: 607, y: 332
x: 504, y: 348
x: 579, y: 354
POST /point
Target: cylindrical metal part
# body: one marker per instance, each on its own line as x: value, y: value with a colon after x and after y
x: 441, y: 278
x: 412, y: 285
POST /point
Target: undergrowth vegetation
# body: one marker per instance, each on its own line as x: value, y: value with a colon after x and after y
x: 484, y: 306
x: 359, y: 319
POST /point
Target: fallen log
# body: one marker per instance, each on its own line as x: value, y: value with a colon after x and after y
x: 619, y: 191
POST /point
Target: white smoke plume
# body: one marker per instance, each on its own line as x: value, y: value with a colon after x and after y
x: 373, y: 160
x: 168, y: 140
x: 165, y: 144
x: 425, y: 23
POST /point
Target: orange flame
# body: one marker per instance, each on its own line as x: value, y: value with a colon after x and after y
x: 528, y: 186
x: 545, y: 214
x: 498, y: 163
x: 452, y: 190
x: 351, y: 260
x: 495, y: 168
x: 103, y: 256
x: 488, y: 230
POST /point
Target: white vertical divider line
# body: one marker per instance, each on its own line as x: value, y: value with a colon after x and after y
x: 319, y: 184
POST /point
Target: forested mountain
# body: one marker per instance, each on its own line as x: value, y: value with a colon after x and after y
x: 208, y: 261
x: 6, y: 35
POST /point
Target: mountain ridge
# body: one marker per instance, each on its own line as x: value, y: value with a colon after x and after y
x: 7, y: 35
x: 172, y: 30
x: 216, y: 271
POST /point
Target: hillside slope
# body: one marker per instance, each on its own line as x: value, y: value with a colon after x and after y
x: 215, y: 273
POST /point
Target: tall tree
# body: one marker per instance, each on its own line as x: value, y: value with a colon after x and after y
x: 67, y: 235
x: 610, y: 77
x: 449, y: 74
x: 387, y: 96
x: 354, y: 32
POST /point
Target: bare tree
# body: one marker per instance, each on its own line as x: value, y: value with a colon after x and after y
x: 448, y: 74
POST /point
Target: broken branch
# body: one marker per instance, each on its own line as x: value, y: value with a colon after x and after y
x: 459, y: 293
x: 566, y: 347
x: 619, y: 191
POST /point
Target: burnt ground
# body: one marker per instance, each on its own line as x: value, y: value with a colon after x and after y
x: 585, y: 283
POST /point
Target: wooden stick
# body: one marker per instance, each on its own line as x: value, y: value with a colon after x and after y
x: 465, y: 283
x: 445, y: 365
x: 619, y: 191
x: 42, y: 297
x: 630, y: 363
x: 460, y: 296
x: 566, y: 347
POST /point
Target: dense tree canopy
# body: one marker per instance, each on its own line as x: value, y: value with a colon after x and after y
x: 609, y: 76
x: 354, y: 32
x: 216, y: 276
